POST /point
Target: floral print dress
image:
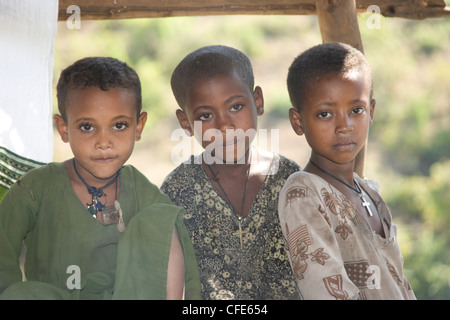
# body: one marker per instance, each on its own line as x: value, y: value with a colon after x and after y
x: 259, y: 270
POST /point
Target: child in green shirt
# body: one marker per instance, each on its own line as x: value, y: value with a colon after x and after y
x: 93, y: 227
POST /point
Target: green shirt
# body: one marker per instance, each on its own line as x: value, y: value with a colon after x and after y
x: 59, y: 233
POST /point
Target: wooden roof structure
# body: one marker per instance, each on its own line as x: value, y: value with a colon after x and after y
x: 337, y: 18
x: 125, y: 9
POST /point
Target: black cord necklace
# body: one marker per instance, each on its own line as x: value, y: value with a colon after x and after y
x: 358, y: 189
x: 241, y: 215
x: 96, y: 193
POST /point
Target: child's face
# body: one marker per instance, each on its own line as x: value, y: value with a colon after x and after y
x: 101, y: 128
x: 223, y: 103
x: 336, y: 116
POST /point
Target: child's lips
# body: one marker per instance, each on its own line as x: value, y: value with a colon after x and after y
x: 345, y: 145
x: 234, y: 140
x: 231, y: 143
x: 227, y: 143
x: 103, y: 159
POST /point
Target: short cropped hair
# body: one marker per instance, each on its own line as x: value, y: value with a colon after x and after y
x: 320, y: 60
x: 207, y: 62
x: 101, y: 72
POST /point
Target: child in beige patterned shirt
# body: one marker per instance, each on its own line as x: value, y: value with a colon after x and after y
x: 340, y: 238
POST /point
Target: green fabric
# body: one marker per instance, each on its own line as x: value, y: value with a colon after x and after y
x: 150, y: 234
x: 3, y: 191
x: 33, y: 290
x: 12, y: 167
x: 43, y: 209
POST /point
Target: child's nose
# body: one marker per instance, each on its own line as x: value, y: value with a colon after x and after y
x: 344, y: 124
x: 224, y: 122
x: 103, y: 140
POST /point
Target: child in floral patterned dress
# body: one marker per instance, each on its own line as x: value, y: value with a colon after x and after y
x: 230, y: 191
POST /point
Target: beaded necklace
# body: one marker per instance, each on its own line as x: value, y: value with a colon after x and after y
x: 108, y: 215
x: 96, y: 193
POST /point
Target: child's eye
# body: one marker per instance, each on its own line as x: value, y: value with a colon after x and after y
x: 205, y: 116
x: 324, y: 115
x: 237, y: 107
x: 86, y: 127
x: 358, y: 110
x: 120, y: 126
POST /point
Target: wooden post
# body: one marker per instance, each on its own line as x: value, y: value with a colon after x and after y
x: 338, y: 23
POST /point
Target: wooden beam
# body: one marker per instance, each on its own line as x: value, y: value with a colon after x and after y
x: 338, y: 23
x: 126, y: 9
x: 121, y: 9
x: 408, y: 9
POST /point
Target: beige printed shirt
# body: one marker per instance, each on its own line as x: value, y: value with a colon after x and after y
x: 333, y: 251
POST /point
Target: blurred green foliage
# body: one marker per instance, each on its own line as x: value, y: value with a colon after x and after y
x: 411, y: 133
x: 410, y: 137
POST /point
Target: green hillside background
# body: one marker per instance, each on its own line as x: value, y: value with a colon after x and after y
x: 409, y: 143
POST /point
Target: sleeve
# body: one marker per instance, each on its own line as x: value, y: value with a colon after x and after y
x: 169, y: 184
x: 149, y: 193
x: 192, y: 273
x: 144, y: 276
x: 312, y: 248
x: 17, y: 212
x: 179, y: 184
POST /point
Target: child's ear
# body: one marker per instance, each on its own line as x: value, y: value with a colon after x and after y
x: 296, y: 121
x: 184, y: 122
x: 140, y: 125
x: 259, y: 100
x: 372, y: 110
x: 61, y: 127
